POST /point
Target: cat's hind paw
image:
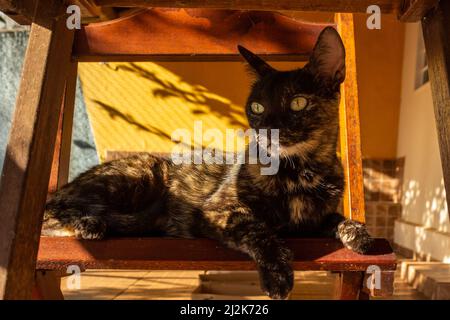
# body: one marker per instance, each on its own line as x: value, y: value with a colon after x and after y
x: 90, y: 228
x: 354, y: 236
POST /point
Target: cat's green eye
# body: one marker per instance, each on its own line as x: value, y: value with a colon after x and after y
x: 299, y: 103
x: 257, y: 108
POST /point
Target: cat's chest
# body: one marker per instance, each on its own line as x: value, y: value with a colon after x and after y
x: 306, y: 203
x: 300, y: 209
x: 309, y: 205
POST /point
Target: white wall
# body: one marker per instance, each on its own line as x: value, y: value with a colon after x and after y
x: 424, y: 226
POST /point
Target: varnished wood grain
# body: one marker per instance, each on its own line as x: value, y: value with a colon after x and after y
x: 53, y: 182
x: 436, y: 34
x: 195, y: 34
x: 407, y: 10
x: 67, y: 125
x: 47, y: 285
x: 200, y: 254
x: 16, y: 12
x: 415, y: 10
x: 350, y: 285
x: 387, y: 6
x: 29, y: 153
x: 61, y: 155
x: 349, y: 125
x: 104, y: 13
x: 32, y: 11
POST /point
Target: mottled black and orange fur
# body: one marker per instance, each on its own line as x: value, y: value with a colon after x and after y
x: 247, y: 211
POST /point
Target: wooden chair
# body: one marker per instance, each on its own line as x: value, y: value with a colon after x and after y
x: 39, y: 147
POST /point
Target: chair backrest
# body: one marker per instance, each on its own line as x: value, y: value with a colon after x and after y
x: 212, y: 35
x: 195, y: 35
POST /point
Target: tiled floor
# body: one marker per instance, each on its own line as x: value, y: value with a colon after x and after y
x: 402, y: 290
x: 121, y: 284
x: 133, y: 284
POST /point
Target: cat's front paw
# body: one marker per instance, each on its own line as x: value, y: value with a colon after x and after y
x: 90, y: 228
x: 277, y: 282
x: 354, y: 236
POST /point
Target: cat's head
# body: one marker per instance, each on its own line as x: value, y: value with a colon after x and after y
x: 303, y: 104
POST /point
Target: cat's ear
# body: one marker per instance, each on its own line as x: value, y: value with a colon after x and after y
x: 258, y: 65
x: 327, y: 61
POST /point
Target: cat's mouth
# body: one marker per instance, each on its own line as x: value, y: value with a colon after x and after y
x: 283, y: 146
x: 301, y: 149
x: 280, y: 150
x: 279, y: 146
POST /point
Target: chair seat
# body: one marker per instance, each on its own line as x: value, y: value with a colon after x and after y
x: 200, y: 254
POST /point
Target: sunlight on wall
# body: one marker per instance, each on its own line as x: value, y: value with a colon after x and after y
x: 427, y: 242
x: 137, y: 106
x: 431, y: 203
x: 425, y: 225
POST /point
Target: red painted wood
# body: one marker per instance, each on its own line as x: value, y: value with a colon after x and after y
x: 200, y: 254
x: 195, y: 34
x: 386, y: 6
x: 351, y: 284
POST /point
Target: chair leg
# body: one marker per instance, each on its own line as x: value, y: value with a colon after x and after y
x: 47, y: 286
x: 351, y: 283
x: 349, y: 128
x: 363, y: 295
x: 27, y: 165
x: 436, y: 37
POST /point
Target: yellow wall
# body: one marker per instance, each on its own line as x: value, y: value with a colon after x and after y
x: 228, y: 79
x: 121, y: 97
x: 379, y: 55
x: 138, y: 106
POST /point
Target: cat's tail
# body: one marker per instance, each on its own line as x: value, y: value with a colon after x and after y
x: 61, y: 219
x: 114, y: 198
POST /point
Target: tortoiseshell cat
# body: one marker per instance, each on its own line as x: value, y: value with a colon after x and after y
x: 235, y: 204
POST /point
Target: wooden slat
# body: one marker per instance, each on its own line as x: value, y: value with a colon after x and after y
x: 349, y: 126
x: 415, y: 10
x: 26, y: 169
x: 386, y: 6
x: 104, y: 13
x: 407, y: 10
x: 195, y: 34
x: 53, y: 182
x: 199, y: 254
x: 24, y: 11
x: 10, y: 8
x: 436, y: 35
x: 67, y: 125
x: 61, y: 155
